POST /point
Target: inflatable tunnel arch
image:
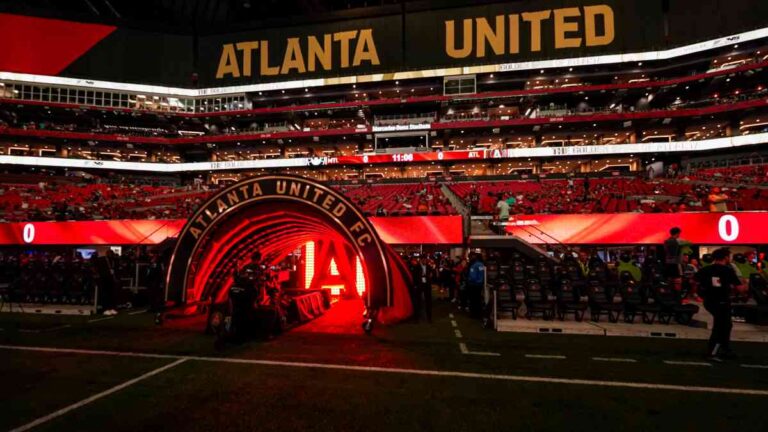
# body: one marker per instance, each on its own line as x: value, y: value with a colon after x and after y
x: 276, y: 214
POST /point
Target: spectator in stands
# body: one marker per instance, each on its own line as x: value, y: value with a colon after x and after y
x: 716, y: 284
x: 511, y: 200
x: 586, y: 188
x: 502, y: 206
x: 381, y: 211
x: 717, y: 201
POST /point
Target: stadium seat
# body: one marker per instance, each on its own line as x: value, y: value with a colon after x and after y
x: 538, y: 300
x: 603, y: 301
x: 636, y: 301
x: 569, y: 300
x: 510, y: 298
x: 670, y: 304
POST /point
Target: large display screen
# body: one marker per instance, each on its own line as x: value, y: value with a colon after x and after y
x: 641, y: 228
x: 393, y: 230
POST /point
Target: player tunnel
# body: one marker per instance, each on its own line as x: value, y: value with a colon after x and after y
x: 278, y: 215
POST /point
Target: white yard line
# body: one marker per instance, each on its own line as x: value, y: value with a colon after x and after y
x: 614, y: 359
x: 463, y: 348
x: 483, y: 353
x: 419, y: 372
x: 751, y: 366
x: 101, y: 319
x: 138, y: 312
x: 96, y: 397
x: 542, y: 356
x: 687, y: 363
x: 45, y: 330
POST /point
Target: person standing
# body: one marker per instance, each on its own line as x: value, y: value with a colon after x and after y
x: 476, y: 285
x: 716, y: 282
x: 717, y: 201
x: 673, y: 257
x: 503, y: 208
x: 762, y: 264
x: 423, y: 276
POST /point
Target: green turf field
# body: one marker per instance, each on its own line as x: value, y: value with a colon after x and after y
x: 411, y: 377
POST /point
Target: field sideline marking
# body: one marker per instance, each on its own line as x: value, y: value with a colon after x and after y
x: 44, y: 330
x: 101, y: 319
x: 96, y: 397
x: 136, y: 312
x: 421, y: 372
x: 752, y: 366
x: 687, y: 363
x: 614, y: 359
x: 540, y: 356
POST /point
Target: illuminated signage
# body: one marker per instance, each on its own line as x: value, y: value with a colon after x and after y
x: 401, y: 128
x: 641, y: 228
x: 483, y: 38
x: 518, y: 153
x: 501, y: 34
x: 392, y: 230
x: 327, y: 52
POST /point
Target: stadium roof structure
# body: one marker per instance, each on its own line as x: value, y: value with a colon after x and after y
x: 212, y: 16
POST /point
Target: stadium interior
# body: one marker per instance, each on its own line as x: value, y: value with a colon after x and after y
x: 147, y: 193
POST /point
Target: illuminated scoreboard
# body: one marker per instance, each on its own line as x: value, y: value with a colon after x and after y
x: 408, y: 157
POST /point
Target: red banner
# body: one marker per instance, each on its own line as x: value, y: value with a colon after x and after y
x: 113, y: 232
x: 393, y: 230
x: 419, y: 229
x: 641, y: 228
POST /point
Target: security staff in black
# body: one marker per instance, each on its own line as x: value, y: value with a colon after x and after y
x: 716, y: 282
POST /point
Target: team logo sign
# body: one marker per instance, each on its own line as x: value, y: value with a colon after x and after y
x: 246, y: 198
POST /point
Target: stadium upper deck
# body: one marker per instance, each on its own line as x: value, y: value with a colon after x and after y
x: 507, y: 82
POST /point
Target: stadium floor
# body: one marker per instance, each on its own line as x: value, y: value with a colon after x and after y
x: 126, y: 374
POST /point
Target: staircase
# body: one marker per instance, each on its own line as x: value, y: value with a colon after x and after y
x: 455, y: 201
